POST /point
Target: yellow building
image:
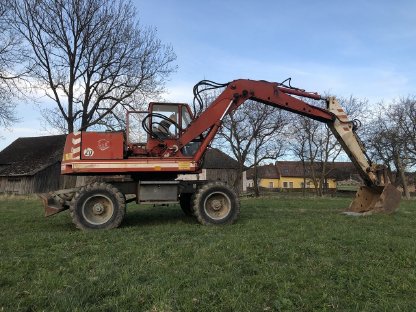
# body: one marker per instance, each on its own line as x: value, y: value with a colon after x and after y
x: 294, y: 175
x: 267, y: 176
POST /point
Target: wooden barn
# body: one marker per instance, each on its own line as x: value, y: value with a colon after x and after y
x: 32, y: 165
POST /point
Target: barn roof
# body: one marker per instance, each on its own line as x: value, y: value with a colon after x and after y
x: 215, y: 159
x: 27, y: 156
x: 335, y: 170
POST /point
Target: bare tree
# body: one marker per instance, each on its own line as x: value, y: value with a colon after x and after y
x: 91, y: 57
x: 391, y: 138
x: 313, y: 143
x: 12, y: 55
x: 304, y: 139
x: 299, y: 145
x: 253, y: 133
x: 405, y: 115
x: 315, y: 146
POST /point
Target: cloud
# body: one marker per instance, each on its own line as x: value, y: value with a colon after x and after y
x: 374, y: 82
x: 179, y: 92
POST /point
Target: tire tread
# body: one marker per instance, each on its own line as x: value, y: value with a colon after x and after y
x: 98, y: 186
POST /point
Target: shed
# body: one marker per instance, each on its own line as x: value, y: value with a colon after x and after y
x: 218, y: 166
x: 31, y: 165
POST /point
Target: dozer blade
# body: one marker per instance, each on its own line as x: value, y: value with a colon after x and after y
x: 375, y: 199
x: 52, y: 204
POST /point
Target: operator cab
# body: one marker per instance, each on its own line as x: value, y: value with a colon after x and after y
x: 168, y: 120
x: 148, y: 131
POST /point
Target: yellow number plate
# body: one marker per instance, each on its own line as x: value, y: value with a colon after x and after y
x: 184, y: 165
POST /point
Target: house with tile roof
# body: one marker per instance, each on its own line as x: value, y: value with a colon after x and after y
x: 296, y: 175
x: 268, y: 175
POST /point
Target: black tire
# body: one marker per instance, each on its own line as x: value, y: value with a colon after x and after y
x: 216, y: 203
x: 185, y: 200
x: 98, y: 206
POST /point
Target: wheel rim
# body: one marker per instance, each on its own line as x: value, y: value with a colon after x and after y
x: 97, y: 209
x: 217, y: 205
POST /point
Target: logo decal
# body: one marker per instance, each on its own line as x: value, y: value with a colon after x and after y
x: 88, y: 152
x: 103, y: 144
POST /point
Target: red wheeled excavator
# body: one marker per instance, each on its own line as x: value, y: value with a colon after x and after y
x: 169, y: 140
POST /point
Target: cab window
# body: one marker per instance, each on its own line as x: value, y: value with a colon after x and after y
x: 164, y: 121
x: 186, y: 118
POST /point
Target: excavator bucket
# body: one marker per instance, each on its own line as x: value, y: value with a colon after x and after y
x: 52, y: 204
x: 369, y: 200
x: 58, y: 201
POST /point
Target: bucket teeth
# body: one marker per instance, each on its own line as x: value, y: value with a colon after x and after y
x: 376, y: 199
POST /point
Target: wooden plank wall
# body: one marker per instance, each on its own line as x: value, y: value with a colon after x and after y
x: 46, y: 180
x: 227, y: 176
x: 20, y: 185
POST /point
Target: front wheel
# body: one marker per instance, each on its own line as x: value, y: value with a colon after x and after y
x: 98, y: 206
x: 216, y: 203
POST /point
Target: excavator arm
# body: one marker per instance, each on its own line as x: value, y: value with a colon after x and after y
x: 378, y: 194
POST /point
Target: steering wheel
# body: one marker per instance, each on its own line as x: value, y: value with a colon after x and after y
x: 156, y: 130
x: 163, y: 125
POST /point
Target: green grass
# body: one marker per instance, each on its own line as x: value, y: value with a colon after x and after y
x: 283, y: 254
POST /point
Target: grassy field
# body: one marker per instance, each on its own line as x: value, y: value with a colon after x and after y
x: 284, y: 254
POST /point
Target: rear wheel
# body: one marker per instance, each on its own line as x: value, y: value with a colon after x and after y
x: 185, y: 200
x: 98, y: 206
x: 216, y: 203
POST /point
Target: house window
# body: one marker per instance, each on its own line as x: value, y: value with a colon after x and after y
x: 307, y: 185
x: 287, y: 184
x: 271, y: 185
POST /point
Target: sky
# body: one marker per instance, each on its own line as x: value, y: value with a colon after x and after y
x: 362, y: 48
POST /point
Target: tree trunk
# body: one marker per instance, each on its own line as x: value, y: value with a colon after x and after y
x: 401, y: 170
x: 304, y: 178
x: 238, y: 178
x: 256, y: 183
